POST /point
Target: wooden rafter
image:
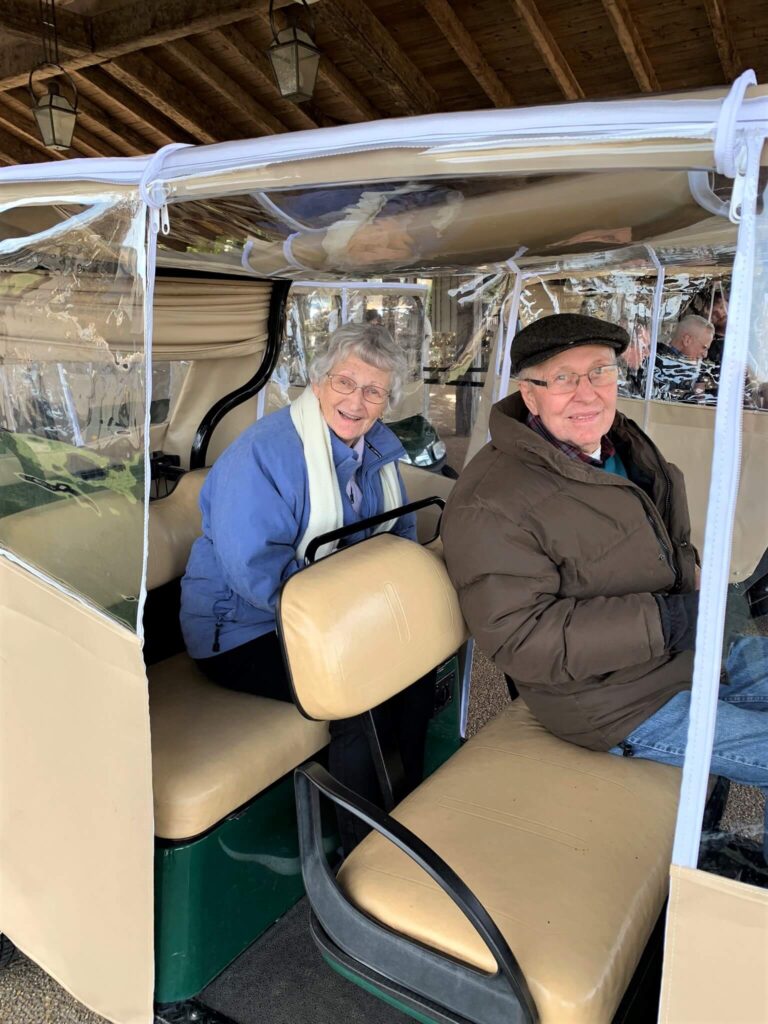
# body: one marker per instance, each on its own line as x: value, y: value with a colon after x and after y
x: 345, y: 90
x: 551, y: 53
x: 234, y: 43
x: 17, y: 150
x: 225, y: 87
x: 632, y: 45
x: 154, y: 126
x: 147, y: 79
x: 85, y: 42
x: 23, y: 18
x: 366, y: 38
x: 726, y: 50
x: 468, y: 52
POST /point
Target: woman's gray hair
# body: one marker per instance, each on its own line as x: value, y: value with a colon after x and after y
x: 373, y: 344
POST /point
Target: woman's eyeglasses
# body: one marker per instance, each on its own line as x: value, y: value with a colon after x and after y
x: 566, y: 383
x: 346, y: 386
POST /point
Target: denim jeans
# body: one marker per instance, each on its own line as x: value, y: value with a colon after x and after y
x: 740, y: 750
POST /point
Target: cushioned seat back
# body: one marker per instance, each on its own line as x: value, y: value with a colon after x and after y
x: 174, y: 524
x: 365, y: 623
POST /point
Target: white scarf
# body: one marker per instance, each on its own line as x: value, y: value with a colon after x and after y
x: 326, y: 511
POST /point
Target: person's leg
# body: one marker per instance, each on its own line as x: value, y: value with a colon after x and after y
x: 740, y: 748
x: 410, y: 712
x: 403, y: 719
x: 350, y: 761
x: 255, y: 667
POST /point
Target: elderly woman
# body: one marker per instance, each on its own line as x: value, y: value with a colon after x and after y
x: 325, y: 461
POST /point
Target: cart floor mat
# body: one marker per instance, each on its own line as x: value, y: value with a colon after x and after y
x: 282, y: 979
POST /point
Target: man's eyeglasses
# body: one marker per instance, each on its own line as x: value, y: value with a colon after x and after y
x: 346, y: 386
x: 566, y: 383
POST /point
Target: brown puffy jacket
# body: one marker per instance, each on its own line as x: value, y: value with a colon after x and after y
x: 556, y: 563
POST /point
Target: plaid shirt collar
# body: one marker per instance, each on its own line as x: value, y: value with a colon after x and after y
x: 607, y: 449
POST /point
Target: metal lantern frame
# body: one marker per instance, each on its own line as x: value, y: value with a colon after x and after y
x: 55, y: 135
x: 290, y: 47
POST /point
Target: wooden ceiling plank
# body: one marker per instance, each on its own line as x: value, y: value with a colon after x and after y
x: 632, y: 45
x: 231, y: 39
x: 88, y: 144
x: 147, y: 79
x: 346, y: 91
x: 85, y: 42
x: 17, y: 151
x: 468, y: 52
x: 726, y: 49
x: 156, y: 128
x: 226, y: 87
x: 365, y: 37
x: 551, y: 53
x: 141, y: 24
x: 23, y: 18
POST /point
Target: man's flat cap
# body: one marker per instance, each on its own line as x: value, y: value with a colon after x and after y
x: 554, y: 334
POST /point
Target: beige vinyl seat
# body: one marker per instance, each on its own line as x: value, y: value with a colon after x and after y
x: 568, y: 850
x: 212, y: 749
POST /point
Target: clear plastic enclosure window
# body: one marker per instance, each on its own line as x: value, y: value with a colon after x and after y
x: 72, y: 397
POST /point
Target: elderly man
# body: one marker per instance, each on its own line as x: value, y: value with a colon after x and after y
x: 681, y: 373
x: 568, y: 540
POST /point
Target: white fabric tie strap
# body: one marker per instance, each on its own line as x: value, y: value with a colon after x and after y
x: 153, y: 191
x: 726, y: 153
x: 326, y: 511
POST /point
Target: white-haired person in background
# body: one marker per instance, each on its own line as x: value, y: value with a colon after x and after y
x: 325, y: 461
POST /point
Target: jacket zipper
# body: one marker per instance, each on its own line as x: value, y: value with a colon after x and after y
x: 664, y: 548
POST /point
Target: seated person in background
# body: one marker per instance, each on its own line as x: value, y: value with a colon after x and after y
x: 686, y: 373
x: 567, y: 538
x: 634, y: 361
x: 681, y: 373
x: 712, y: 305
x: 325, y: 461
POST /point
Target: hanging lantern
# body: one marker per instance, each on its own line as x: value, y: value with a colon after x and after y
x: 294, y: 58
x: 54, y: 113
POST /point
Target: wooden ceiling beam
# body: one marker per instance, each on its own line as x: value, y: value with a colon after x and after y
x: 85, y: 42
x: 231, y: 39
x: 330, y: 75
x: 551, y: 53
x: 23, y: 18
x: 155, y: 128
x: 147, y: 79
x: 468, y: 52
x: 726, y: 49
x: 226, y: 88
x: 17, y: 151
x: 364, y: 36
x: 632, y: 45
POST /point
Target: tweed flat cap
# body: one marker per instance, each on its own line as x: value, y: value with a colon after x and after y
x: 551, y: 335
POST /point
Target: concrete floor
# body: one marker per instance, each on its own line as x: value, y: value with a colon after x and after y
x: 29, y: 996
